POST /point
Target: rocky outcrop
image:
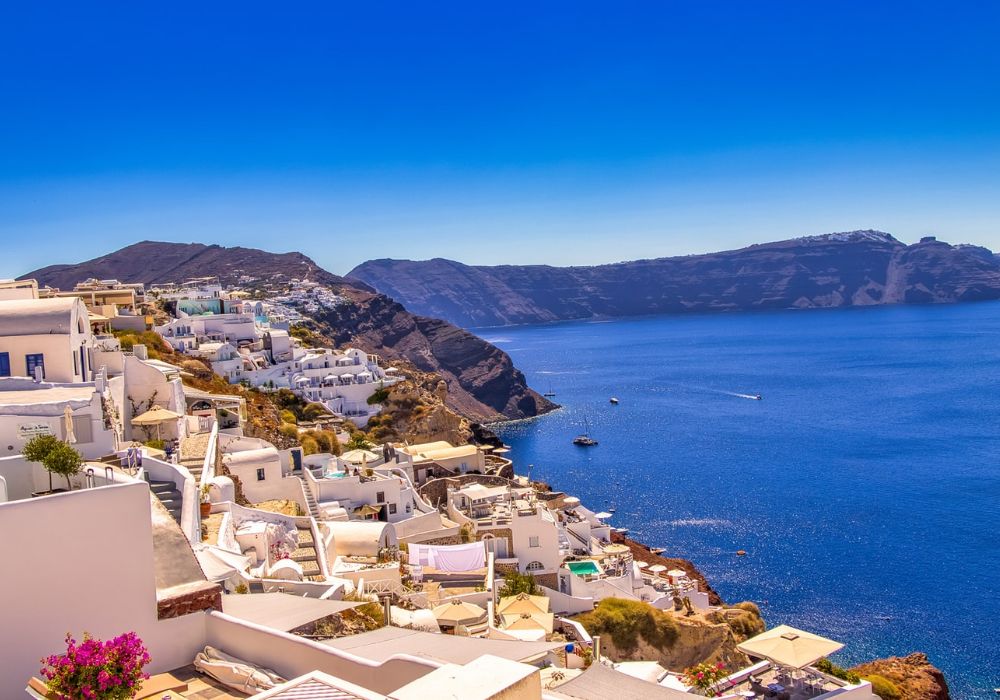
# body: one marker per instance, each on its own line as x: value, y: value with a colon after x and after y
x: 481, y: 380
x: 859, y: 268
x: 914, y: 676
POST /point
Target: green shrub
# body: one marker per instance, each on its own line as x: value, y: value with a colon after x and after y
x: 827, y: 666
x: 312, y: 411
x: 155, y: 444
x: 514, y: 583
x: 626, y: 621
x: 289, y: 430
x: 883, y: 687
x: 358, y: 441
x: 309, y: 445
x: 288, y: 417
x: 380, y: 396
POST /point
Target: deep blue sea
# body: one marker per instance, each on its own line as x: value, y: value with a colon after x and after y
x: 865, y: 486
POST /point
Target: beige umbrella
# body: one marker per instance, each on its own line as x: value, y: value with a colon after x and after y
x: 457, y: 612
x: 68, y: 423
x: 156, y: 416
x: 529, y: 621
x: 789, y: 647
x: 657, y: 568
x: 642, y: 564
x: 523, y: 603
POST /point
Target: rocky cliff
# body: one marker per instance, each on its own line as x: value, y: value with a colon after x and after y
x: 859, y: 268
x: 482, y: 382
x: 913, y: 676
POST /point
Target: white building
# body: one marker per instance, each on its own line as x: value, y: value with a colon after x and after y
x: 46, y: 339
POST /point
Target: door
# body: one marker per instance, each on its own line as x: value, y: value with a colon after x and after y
x: 4, y: 364
x: 83, y: 363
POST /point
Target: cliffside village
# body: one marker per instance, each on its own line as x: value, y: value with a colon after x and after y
x: 391, y: 571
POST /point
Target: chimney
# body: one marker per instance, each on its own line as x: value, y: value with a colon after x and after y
x: 139, y: 350
x: 387, y: 609
x: 597, y: 648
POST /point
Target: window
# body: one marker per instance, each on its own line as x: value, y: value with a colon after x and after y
x: 4, y: 364
x: 260, y: 474
x: 76, y: 364
x: 407, y: 507
x: 532, y: 541
x: 32, y: 361
x: 392, y: 509
x: 380, y: 496
x: 534, y: 566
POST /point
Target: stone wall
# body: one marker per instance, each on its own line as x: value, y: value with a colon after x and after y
x: 435, y: 491
x: 548, y: 580
x: 207, y: 597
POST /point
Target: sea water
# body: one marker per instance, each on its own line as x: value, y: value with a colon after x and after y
x: 864, y: 486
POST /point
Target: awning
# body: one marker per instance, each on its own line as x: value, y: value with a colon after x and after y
x: 155, y: 416
x: 282, y: 611
x: 366, y: 510
x: 790, y: 647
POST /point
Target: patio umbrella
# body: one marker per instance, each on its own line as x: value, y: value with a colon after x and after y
x: 523, y: 603
x: 602, y: 515
x: 68, y: 423
x: 155, y: 416
x: 789, y: 647
x: 457, y: 612
x: 529, y: 621
x: 642, y: 564
x: 657, y: 568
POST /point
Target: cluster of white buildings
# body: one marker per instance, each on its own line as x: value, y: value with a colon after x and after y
x: 248, y: 342
x: 161, y: 546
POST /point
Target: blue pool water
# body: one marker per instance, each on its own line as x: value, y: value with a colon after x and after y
x: 865, y: 486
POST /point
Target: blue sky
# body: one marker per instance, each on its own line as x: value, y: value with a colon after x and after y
x: 561, y: 133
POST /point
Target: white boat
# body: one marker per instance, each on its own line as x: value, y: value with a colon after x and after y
x: 614, y: 400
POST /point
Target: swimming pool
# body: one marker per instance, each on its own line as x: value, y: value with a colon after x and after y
x: 583, y: 568
x: 335, y: 475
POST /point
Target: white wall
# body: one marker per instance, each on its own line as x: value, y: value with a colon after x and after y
x: 79, y: 569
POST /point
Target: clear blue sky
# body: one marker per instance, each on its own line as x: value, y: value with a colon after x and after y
x: 560, y: 133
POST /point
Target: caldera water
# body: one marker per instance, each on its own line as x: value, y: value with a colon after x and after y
x: 864, y: 486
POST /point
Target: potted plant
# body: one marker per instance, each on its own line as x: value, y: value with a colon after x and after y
x: 56, y: 456
x: 206, y: 502
x: 97, y: 670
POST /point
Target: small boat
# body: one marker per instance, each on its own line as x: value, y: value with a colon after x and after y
x: 757, y: 397
x: 549, y: 392
x: 741, y: 552
x: 657, y: 550
x: 614, y: 400
x: 584, y: 439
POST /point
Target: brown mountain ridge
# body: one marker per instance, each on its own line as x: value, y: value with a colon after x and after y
x: 483, y: 384
x: 857, y: 268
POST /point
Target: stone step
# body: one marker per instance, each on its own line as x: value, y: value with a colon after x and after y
x: 310, y: 568
x: 305, y: 538
x: 304, y: 554
x: 161, y: 486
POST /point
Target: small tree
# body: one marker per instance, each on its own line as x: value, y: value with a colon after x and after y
x: 55, y: 455
x: 64, y: 460
x: 515, y: 582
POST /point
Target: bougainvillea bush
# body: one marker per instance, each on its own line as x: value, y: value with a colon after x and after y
x: 704, y: 676
x: 96, y: 670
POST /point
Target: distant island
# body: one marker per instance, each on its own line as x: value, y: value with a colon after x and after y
x: 856, y: 268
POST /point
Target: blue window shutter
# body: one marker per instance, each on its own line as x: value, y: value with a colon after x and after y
x: 4, y: 364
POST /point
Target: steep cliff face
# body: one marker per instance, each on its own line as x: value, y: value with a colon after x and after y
x: 483, y: 384
x: 858, y: 268
x: 913, y: 675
